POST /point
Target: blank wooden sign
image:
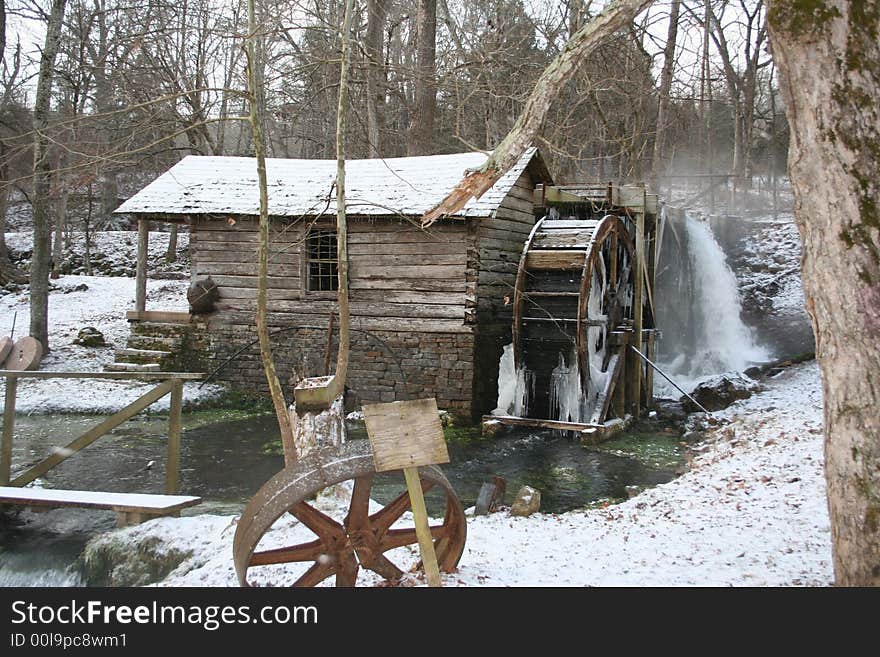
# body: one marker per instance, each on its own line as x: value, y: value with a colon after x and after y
x: 405, y: 434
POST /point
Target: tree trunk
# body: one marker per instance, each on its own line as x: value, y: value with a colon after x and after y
x: 171, y: 252
x: 615, y: 16
x: 828, y: 57
x: 421, y: 128
x: 41, y: 259
x: 60, y: 222
x: 665, y: 87
x: 256, y: 119
x: 377, y: 12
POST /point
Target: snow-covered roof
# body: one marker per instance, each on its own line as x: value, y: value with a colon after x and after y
x: 401, y: 185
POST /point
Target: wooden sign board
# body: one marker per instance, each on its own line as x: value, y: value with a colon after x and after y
x: 405, y: 434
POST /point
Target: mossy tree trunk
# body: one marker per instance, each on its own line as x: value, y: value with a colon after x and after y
x: 828, y: 57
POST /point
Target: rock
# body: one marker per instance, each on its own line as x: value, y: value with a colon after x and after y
x: 527, y: 502
x: 490, y: 496
x: 116, y: 560
x: 670, y: 409
x: 721, y: 391
x: 90, y: 337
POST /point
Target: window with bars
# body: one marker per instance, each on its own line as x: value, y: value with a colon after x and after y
x: 321, y: 261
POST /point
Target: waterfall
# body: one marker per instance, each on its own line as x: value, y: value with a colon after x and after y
x: 698, y: 309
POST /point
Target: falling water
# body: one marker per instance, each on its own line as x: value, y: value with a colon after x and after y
x: 515, y: 386
x: 699, y: 310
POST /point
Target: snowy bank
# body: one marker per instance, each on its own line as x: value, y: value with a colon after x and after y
x: 750, y: 512
x: 74, y: 303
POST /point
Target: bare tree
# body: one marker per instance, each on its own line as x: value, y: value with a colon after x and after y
x: 616, y: 16
x: 828, y: 58
x: 665, y: 88
x: 421, y: 128
x: 41, y: 259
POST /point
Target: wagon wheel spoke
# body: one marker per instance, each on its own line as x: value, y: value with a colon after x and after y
x: 305, y: 552
x: 381, y: 565
x: 347, y: 569
x: 321, y: 524
x: 395, y: 538
x: 358, y: 512
x: 316, y: 574
x: 382, y: 520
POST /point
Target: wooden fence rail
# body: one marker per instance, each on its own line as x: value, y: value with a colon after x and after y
x: 169, y: 383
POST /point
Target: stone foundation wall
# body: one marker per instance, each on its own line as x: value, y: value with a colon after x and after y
x: 384, y: 365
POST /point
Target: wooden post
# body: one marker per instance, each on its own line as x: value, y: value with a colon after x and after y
x: 649, y: 373
x: 140, y: 298
x: 8, y: 429
x: 635, y: 372
x: 423, y: 531
x: 172, y: 470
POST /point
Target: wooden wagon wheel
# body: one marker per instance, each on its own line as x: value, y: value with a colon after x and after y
x: 341, y: 545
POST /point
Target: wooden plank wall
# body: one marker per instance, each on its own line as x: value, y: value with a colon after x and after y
x: 501, y: 240
x: 401, y: 277
x: 499, y: 244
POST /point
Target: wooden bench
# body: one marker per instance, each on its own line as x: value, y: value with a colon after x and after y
x: 130, y: 508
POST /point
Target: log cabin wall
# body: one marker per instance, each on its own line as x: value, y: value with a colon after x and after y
x: 500, y: 240
x: 412, y: 291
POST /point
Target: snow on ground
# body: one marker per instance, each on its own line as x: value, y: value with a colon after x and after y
x: 751, y: 511
x: 101, y: 302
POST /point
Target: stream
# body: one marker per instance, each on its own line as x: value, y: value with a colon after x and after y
x: 225, y: 460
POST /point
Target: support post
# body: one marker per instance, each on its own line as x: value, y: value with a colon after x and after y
x: 635, y: 372
x: 172, y: 471
x: 140, y: 298
x: 649, y: 372
x: 8, y: 430
x: 423, y: 531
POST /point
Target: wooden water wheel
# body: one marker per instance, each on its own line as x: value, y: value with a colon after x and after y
x: 574, y: 287
x: 357, y: 539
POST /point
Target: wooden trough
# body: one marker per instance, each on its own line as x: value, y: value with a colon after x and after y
x: 583, y: 296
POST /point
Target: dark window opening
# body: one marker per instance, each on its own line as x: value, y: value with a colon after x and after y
x: 322, y: 263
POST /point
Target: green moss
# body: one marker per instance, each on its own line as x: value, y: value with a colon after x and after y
x: 799, y: 18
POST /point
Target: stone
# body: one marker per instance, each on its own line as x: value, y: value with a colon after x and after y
x: 90, y: 337
x: 527, y: 502
x: 721, y: 391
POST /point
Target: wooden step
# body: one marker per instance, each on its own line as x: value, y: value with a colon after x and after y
x: 163, y: 316
x: 132, y: 367
x: 142, y: 356
x: 130, y: 508
x: 551, y: 294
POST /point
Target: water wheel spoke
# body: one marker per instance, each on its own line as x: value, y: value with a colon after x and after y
x: 381, y: 565
x: 382, y: 520
x: 359, y: 509
x: 347, y: 570
x: 395, y: 538
x: 316, y: 574
x: 320, y: 523
x: 304, y: 552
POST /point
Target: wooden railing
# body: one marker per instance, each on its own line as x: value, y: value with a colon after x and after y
x: 170, y: 383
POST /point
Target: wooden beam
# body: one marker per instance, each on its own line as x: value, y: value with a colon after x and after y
x: 93, y: 434
x: 164, y: 316
x: 172, y: 469
x: 8, y: 430
x: 140, y: 294
x: 130, y: 376
x: 514, y: 421
x: 635, y: 372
